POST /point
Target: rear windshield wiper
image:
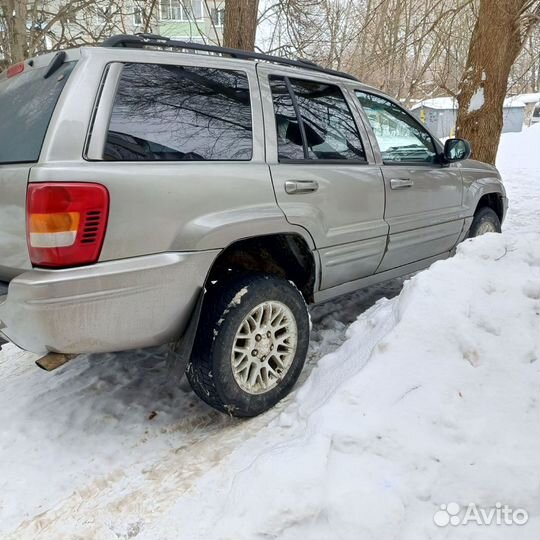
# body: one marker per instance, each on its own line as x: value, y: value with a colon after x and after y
x: 58, y: 59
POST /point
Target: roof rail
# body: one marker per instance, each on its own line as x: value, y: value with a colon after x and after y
x: 154, y: 40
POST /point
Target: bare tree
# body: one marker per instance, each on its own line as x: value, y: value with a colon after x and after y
x: 240, y: 24
x: 406, y: 47
x: 500, y: 32
x: 47, y: 25
x: 13, y: 21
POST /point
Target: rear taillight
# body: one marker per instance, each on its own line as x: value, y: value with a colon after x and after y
x: 65, y: 223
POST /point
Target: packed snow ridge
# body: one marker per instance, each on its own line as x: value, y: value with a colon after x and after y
x: 428, y: 398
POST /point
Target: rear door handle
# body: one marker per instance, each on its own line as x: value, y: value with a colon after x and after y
x: 301, y: 186
x: 400, y: 183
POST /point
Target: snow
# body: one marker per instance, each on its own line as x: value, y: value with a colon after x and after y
x: 526, y: 99
x: 237, y: 300
x: 513, y: 102
x: 443, y: 103
x: 416, y: 394
x: 437, y: 103
x: 477, y: 100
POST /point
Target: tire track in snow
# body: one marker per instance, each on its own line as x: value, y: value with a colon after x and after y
x: 111, y: 505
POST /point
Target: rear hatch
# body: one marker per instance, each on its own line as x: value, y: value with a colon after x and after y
x: 28, y: 95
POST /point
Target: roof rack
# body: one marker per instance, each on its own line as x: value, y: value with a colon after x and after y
x: 154, y: 40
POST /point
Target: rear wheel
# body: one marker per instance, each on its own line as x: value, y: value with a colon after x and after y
x: 485, y: 221
x: 251, y: 344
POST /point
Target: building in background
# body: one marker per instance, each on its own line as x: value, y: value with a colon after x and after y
x: 56, y: 24
x: 439, y: 115
x: 530, y: 102
x: 199, y: 21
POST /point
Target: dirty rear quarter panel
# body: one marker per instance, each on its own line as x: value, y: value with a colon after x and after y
x: 163, y: 206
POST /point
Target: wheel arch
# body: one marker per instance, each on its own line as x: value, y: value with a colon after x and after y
x: 286, y: 254
x: 493, y: 200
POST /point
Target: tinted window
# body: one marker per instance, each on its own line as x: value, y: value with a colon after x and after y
x: 289, y: 137
x: 27, y: 102
x: 327, y: 126
x: 328, y: 122
x: 400, y: 137
x: 175, y: 113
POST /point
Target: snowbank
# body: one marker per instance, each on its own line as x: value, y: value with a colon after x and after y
x: 432, y: 399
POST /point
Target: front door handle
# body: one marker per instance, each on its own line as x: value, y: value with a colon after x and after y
x: 400, y: 183
x: 301, y: 186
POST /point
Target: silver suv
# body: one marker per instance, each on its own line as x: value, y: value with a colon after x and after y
x: 155, y: 191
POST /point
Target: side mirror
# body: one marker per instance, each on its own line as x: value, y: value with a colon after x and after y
x: 456, y: 150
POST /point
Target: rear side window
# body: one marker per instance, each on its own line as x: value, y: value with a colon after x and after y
x: 27, y: 102
x: 175, y: 113
x: 326, y: 129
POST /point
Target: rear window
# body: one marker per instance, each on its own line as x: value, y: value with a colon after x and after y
x: 27, y: 102
x: 180, y: 113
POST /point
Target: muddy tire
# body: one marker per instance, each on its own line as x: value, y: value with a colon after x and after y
x: 251, y: 344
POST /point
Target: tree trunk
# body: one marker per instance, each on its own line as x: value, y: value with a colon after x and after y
x: 240, y: 24
x: 17, y: 38
x: 496, y: 41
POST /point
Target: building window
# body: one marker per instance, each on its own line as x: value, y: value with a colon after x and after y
x: 181, y: 10
x: 218, y: 16
x: 137, y: 17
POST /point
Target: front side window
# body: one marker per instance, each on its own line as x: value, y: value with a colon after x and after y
x: 176, y: 113
x: 400, y: 137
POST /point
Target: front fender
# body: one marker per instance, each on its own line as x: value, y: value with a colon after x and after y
x: 480, y: 179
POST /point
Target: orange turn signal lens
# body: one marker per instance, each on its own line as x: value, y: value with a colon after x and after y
x: 54, y: 223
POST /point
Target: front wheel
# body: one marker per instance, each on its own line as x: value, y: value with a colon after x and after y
x: 251, y: 344
x: 485, y: 221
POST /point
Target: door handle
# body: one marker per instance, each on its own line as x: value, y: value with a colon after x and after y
x: 301, y: 186
x: 400, y: 183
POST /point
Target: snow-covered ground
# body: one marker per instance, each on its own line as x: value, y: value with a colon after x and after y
x: 430, y: 397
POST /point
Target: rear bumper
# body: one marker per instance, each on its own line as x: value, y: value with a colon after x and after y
x: 106, y: 307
